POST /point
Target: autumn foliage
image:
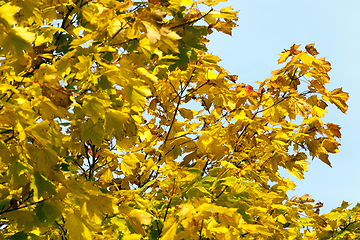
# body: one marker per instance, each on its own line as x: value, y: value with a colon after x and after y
x: 117, y: 123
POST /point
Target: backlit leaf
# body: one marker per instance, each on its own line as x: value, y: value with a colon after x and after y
x: 142, y: 216
x: 116, y: 122
x: 76, y: 227
x: 7, y: 12
x: 43, y: 185
x: 17, y: 40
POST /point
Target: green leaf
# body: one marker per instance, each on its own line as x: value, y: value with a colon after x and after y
x: 18, y: 40
x: 17, y: 174
x: 93, y: 107
x: 77, y: 228
x: 20, y: 236
x: 192, y: 36
x: 195, y: 171
x: 48, y: 211
x: 93, y: 132
x: 42, y: 186
x: 115, y: 120
x: 137, y: 94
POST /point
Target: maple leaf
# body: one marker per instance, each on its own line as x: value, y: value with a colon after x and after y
x: 338, y: 97
x: 99, y: 138
x: 249, y: 90
x: 60, y: 96
x: 7, y: 12
x: 287, y: 53
x: 311, y: 49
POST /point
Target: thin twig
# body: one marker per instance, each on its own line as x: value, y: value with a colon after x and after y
x: 175, y: 112
x: 15, y: 209
x: 201, y: 228
x: 81, y: 168
x: 193, y: 21
x: 219, y: 194
x: 168, y: 206
x: 179, y: 145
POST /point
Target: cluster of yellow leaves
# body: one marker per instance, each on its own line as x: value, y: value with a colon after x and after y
x: 115, y: 123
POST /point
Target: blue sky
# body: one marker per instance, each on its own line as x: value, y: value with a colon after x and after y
x: 265, y: 29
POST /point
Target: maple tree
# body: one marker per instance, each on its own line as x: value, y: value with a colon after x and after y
x: 116, y: 123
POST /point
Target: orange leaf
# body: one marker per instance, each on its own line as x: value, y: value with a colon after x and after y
x: 249, y: 90
x: 338, y: 97
x: 311, y: 49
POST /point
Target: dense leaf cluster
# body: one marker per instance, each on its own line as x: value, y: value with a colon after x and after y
x: 116, y: 123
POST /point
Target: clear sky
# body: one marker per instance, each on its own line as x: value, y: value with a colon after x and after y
x: 265, y: 29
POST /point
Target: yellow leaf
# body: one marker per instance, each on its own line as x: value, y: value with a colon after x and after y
x: 21, y: 132
x: 169, y: 229
x: 186, y: 2
x: 301, y: 107
x: 136, y: 94
x: 133, y: 236
x: 137, y: 226
x: 185, y: 209
x: 143, y: 72
x: 7, y: 12
x: 338, y: 97
x: 282, y: 136
x: 211, y: 58
x: 186, y: 113
x: 334, y: 129
x: 227, y: 10
x: 281, y: 219
x: 123, y: 5
x: 257, y: 229
x: 79, y: 41
x: 173, y: 36
x: 127, y: 165
x: 225, y: 13
x: 292, y: 52
x: 308, y: 59
x: 76, y: 228
x: 226, y: 164
x: 211, y: 2
x: 114, y: 27
x: 142, y: 216
x: 240, y: 116
x: 330, y: 145
x: 17, y: 40
x: 225, y: 27
x: 203, y: 142
x: 107, y: 176
x: 283, y: 57
x: 319, y: 112
x: 152, y: 33
x: 325, y: 159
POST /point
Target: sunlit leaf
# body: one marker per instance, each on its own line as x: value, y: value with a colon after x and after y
x: 116, y: 122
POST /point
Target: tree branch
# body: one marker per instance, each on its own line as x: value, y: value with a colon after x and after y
x: 175, y: 112
x: 193, y: 21
x: 167, y: 207
x: 15, y: 209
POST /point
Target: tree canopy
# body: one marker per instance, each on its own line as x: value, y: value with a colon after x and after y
x: 117, y: 123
